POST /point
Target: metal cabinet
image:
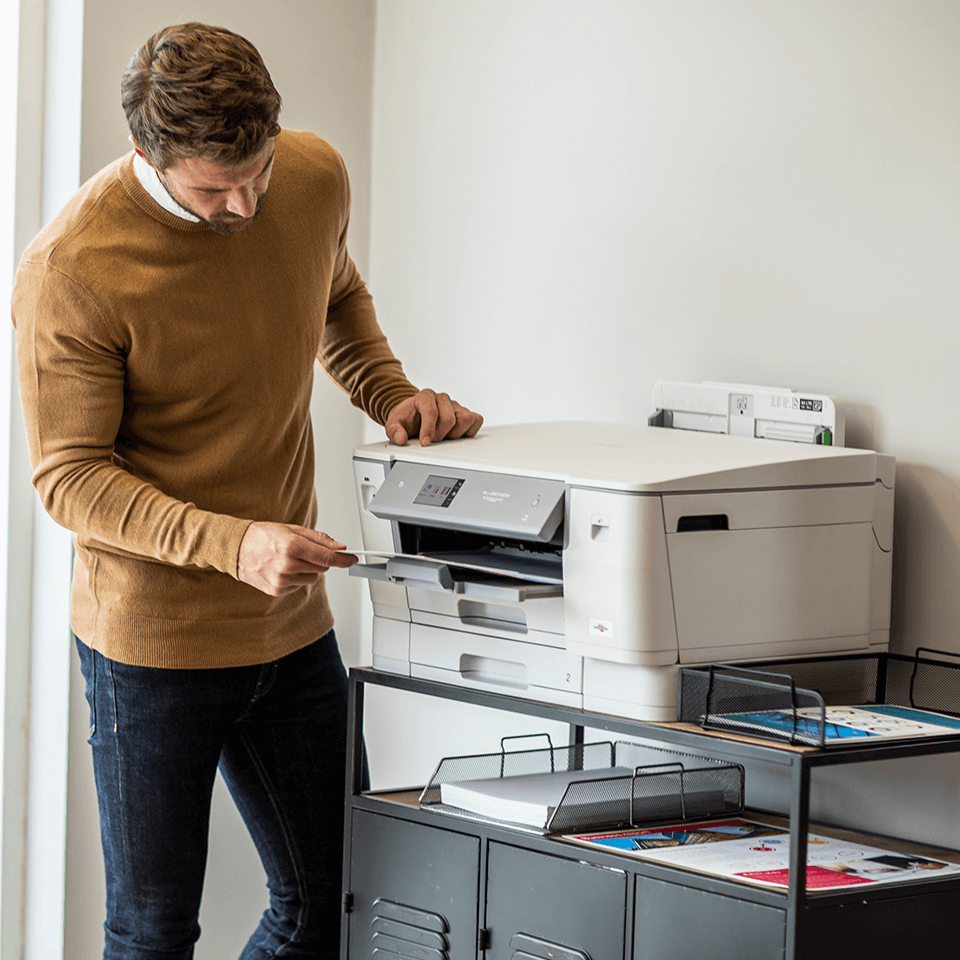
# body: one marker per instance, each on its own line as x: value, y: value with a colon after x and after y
x: 415, y: 891
x: 420, y: 885
x: 411, y: 884
x: 552, y: 908
x: 675, y: 922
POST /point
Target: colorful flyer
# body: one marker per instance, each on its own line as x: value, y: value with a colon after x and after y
x: 758, y: 853
x: 841, y: 724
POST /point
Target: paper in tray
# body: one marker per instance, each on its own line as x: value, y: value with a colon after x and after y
x: 584, y: 786
x: 529, y: 799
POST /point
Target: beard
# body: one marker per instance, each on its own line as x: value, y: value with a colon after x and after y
x: 225, y: 224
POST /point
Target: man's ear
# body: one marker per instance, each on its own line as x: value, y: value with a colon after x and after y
x: 139, y: 152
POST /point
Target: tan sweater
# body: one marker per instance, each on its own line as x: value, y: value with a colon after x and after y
x: 166, y: 374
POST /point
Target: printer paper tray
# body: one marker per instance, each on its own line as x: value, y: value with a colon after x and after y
x: 428, y: 574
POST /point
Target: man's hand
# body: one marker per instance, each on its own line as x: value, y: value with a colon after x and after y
x: 278, y: 558
x: 430, y: 416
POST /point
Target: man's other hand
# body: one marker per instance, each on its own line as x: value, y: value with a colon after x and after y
x: 430, y: 416
x: 278, y: 558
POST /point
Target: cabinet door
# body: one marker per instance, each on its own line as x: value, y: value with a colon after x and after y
x: 541, y: 907
x: 415, y: 891
x: 674, y: 922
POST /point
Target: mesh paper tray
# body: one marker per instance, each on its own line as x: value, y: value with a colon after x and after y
x: 583, y: 787
x: 790, y: 701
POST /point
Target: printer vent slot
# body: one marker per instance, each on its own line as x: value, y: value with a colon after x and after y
x: 709, y: 521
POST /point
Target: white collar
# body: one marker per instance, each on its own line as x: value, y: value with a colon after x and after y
x: 150, y: 179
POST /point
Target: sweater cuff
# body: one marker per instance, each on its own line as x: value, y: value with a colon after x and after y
x: 385, y: 404
x: 221, y: 549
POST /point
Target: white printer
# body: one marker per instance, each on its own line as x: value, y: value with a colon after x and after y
x: 580, y: 563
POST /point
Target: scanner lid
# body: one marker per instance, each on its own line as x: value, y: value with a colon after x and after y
x: 640, y: 459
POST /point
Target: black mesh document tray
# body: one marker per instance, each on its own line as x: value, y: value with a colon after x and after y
x: 820, y: 702
x: 584, y: 787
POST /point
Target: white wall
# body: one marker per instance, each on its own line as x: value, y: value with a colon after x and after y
x: 573, y: 200
x: 319, y: 53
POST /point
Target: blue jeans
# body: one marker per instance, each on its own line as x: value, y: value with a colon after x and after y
x: 278, y: 734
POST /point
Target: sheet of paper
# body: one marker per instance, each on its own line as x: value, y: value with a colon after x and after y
x: 452, y: 561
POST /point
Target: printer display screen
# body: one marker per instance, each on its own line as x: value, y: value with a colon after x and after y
x: 438, y: 491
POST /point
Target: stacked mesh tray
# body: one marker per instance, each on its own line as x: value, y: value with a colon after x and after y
x: 596, y: 786
x: 720, y: 696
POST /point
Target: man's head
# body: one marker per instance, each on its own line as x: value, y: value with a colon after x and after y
x: 203, y: 113
x: 194, y: 91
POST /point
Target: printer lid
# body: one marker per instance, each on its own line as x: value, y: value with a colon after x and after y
x: 640, y: 459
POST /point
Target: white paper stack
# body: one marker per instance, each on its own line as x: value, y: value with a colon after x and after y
x: 529, y: 799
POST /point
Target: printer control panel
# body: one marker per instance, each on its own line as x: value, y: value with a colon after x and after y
x: 496, y: 504
x: 438, y: 491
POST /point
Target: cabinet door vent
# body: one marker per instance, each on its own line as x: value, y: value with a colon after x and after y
x: 401, y: 932
x: 526, y: 947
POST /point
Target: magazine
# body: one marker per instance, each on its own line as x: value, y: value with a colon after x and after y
x: 841, y: 724
x: 759, y: 853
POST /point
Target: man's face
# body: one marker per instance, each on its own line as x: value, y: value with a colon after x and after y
x: 226, y: 199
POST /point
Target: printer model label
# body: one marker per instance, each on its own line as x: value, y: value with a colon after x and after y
x: 438, y: 491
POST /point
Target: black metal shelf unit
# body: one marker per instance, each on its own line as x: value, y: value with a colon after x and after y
x: 463, y: 890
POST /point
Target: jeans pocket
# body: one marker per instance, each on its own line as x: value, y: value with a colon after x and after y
x: 88, y: 667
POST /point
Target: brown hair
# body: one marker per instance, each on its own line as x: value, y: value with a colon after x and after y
x: 194, y: 90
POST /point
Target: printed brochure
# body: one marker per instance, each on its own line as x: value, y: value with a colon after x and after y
x: 842, y: 724
x: 758, y: 853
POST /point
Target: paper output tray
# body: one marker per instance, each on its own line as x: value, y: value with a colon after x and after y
x: 595, y: 786
x: 789, y: 700
x: 429, y: 573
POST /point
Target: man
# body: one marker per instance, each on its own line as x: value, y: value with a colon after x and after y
x: 167, y: 325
